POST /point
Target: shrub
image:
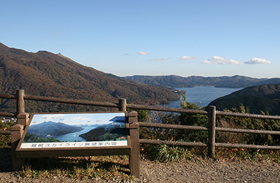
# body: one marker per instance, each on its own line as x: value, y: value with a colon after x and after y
x: 5, y: 140
x: 192, y: 120
x: 166, y: 153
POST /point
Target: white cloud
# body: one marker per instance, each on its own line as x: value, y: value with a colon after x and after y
x: 221, y: 61
x: 207, y: 62
x: 229, y: 62
x: 159, y: 58
x: 218, y: 58
x: 76, y: 118
x: 50, y: 117
x: 80, y: 118
x: 258, y: 61
x: 188, y: 58
x: 234, y: 62
x: 142, y: 53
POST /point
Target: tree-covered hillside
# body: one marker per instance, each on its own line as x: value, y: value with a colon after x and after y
x: 47, y: 74
x: 52, y: 128
x: 264, y: 98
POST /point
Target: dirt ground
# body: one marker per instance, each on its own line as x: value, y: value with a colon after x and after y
x: 184, y: 171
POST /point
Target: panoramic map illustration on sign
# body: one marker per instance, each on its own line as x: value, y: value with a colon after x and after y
x: 76, y: 130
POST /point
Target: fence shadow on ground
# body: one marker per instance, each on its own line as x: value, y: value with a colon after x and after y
x: 6, y: 160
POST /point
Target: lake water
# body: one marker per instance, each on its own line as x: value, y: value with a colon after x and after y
x: 72, y: 137
x: 202, y: 95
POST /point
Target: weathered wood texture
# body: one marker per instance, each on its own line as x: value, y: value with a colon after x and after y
x: 5, y: 132
x: 237, y: 130
x: 81, y: 151
x: 167, y: 109
x: 245, y: 115
x: 132, y: 148
x: 249, y: 146
x: 212, y: 131
x: 134, y: 157
x: 168, y: 126
x: 7, y: 96
x: 148, y: 141
x: 70, y: 101
x: 122, y: 106
x: 16, y: 135
x: 7, y: 114
x: 134, y: 106
x: 20, y: 102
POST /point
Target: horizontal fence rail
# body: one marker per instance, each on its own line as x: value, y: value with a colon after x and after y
x: 5, y: 132
x: 168, y: 126
x: 7, y: 96
x: 122, y: 106
x: 249, y: 146
x: 166, y: 109
x: 176, y: 143
x: 70, y: 101
x: 237, y: 130
x: 7, y: 114
x: 245, y: 115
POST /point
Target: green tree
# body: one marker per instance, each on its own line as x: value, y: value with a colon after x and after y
x: 247, y: 123
x: 143, y: 115
x: 192, y: 120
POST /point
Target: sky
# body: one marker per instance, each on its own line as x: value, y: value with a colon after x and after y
x: 151, y: 37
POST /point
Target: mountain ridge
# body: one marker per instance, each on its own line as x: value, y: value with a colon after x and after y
x: 47, y: 74
x: 52, y: 128
x: 236, y: 81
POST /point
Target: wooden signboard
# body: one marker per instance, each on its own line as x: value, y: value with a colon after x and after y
x: 74, y: 134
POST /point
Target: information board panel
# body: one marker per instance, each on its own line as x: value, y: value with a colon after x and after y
x: 76, y: 130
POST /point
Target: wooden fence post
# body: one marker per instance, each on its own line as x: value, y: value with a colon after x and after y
x: 17, y: 129
x: 16, y: 134
x: 134, y: 157
x: 212, y: 131
x: 20, y: 101
x: 122, y: 104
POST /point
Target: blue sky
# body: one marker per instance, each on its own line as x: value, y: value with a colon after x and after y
x: 151, y: 37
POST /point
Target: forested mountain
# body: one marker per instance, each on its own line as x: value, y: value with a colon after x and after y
x: 192, y: 81
x: 264, y: 98
x: 52, y: 128
x: 47, y: 74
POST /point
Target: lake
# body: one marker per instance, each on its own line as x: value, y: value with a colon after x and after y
x: 202, y: 95
x: 72, y: 137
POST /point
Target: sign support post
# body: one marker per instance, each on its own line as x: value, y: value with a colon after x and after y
x: 134, y: 157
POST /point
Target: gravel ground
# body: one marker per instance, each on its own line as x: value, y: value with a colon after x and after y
x: 210, y: 171
x: 183, y: 171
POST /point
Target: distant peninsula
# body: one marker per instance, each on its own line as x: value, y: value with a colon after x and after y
x: 106, y: 132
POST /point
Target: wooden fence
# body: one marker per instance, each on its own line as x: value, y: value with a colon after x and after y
x: 20, y: 97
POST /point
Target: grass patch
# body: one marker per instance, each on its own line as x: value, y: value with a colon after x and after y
x: 258, y: 155
x: 116, y: 167
x: 107, y: 168
x: 5, y: 140
x: 166, y: 153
